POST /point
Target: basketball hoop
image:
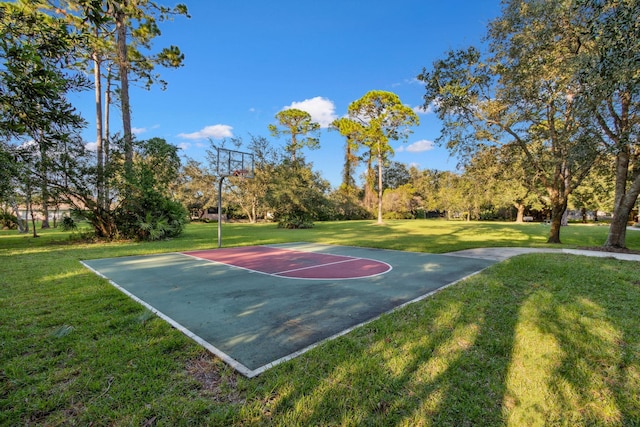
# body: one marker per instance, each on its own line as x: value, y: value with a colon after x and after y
x: 240, y: 172
x: 234, y: 163
x: 231, y: 163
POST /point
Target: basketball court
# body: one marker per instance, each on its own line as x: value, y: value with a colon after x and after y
x: 258, y: 306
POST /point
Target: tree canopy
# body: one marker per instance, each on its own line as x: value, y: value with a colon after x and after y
x: 374, y: 120
x: 522, y: 92
x: 297, y: 124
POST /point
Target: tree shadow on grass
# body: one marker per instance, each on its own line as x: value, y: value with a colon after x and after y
x: 511, y: 346
x: 441, y: 361
x: 594, y: 330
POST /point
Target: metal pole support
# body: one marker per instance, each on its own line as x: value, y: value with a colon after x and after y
x: 220, y: 212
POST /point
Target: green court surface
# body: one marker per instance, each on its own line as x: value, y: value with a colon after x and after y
x: 256, y: 318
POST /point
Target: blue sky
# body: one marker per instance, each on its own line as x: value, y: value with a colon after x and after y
x: 247, y: 60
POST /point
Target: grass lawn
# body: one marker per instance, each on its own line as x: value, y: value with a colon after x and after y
x: 540, y: 339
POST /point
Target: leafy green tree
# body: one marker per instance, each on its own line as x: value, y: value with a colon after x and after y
x: 250, y: 193
x: 345, y: 204
x: 524, y: 94
x: 33, y: 89
x: 609, y: 73
x: 425, y: 185
x: 91, y: 20
x: 147, y: 210
x: 375, y: 119
x: 350, y: 130
x: 450, y: 196
x: 118, y: 34
x: 501, y: 177
x: 138, y: 19
x: 297, y: 124
x: 399, y: 202
x: 597, y: 191
x: 297, y: 195
x: 195, y: 188
x: 395, y: 175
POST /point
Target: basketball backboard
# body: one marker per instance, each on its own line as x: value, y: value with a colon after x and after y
x: 234, y: 163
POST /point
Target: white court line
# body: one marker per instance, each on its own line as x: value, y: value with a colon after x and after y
x: 279, y: 274
x: 319, y: 265
x: 244, y: 370
x: 235, y: 364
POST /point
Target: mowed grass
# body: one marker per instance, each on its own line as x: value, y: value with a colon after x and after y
x: 540, y: 339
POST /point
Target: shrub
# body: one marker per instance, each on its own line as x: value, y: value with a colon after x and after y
x: 68, y: 224
x: 8, y: 221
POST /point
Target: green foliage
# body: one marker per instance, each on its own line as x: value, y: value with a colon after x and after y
x: 297, y: 195
x: 195, y: 188
x: 521, y: 92
x: 33, y: 82
x: 296, y: 123
x: 8, y: 221
x: 344, y: 204
x: 147, y: 212
x: 149, y: 215
x: 68, y: 224
x: 373, y: 121
x: 609, y: 69
x: 351, y: 130
x: 399, y: 203
x: 249, y: 195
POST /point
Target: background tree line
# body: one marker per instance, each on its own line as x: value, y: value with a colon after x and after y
x: 487, y: 189
x: 543, y: 116
x: 47, y: 49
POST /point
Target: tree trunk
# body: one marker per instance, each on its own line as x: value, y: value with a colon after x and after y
x: 624, y: 201
x: 520, y: 215
x: 21, y: 227
x: 617, y: 233
x: 557, y: 211
x: 100, y: 154
x: 123, y: 64
x: 106, y: 145
x: 294, y: 146
x: 618, y: 228
x: 33, y: 220
x: 369, y: 189
x: 29, y: 207
x: 45, y: 215
x: 44, y: 185
x: 379, y: 187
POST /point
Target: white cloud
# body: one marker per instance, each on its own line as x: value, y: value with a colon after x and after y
x: 419, y: 109
x: 418, y: 146
x: 214, y: 131
x: 138, y: 131
x: 184, y: 145
x: 322, y: 110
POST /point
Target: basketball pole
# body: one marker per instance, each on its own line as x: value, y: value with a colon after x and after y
x: 220, y: 212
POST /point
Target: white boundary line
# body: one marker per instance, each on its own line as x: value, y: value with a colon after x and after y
x: 279, y: 273
x: 310, y: 267
x: 250, y: 373
x: 291, y: 356
x: 211, y: 348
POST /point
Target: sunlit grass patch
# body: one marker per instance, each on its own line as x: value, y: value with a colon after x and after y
x: 539, y: 339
